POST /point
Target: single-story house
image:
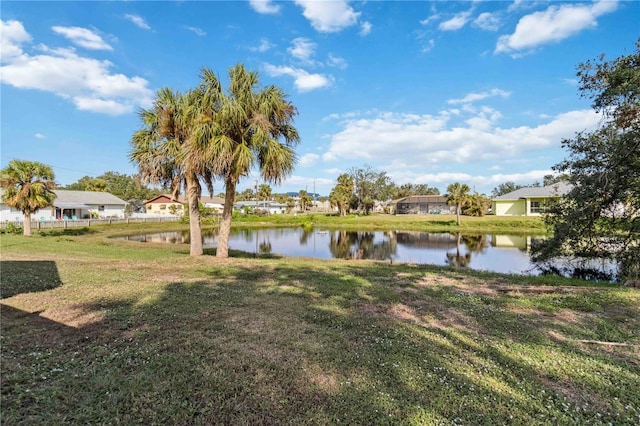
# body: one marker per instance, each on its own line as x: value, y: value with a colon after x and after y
x: 162, y: 204
x: 270, y: 206
x: 424, y: 204
x: 530, y: 201
x: 70, y: 205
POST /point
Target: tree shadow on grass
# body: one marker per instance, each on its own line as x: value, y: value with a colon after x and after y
x: 27, y: 277
x: 272, y: 343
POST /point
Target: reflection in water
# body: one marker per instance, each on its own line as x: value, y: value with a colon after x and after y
x: 362, y: 245
x: 457, y: 260
x: 498, y: 253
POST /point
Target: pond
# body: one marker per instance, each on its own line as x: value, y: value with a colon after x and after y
x: 497, y: 253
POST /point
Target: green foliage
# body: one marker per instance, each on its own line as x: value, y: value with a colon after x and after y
x: 505, y: 188
x: 342, y: 194
x: 408, y: 189
x: 123, y: 186
x: 458, y: 195
x: 247, y: 127
x: 600, y: 217
x: 11, y: 228
x: 304, y: 200
x: 28, y: 187
x: 476, y: 205
x: 246, y: 195
x: 369, y: 185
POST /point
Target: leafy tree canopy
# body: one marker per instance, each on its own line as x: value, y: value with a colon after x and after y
x: 600, y: 217
x: 28, y: 187
x: 121, y: 185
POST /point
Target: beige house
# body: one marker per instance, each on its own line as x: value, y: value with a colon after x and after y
x: 530, y: 201
x: 165, y: 204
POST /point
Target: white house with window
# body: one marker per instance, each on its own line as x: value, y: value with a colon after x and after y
x: 71, y: 205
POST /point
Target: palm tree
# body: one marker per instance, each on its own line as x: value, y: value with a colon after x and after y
x: 165, y: 151
x: 27, y: 187
x: 248, y: 127
x: 457, y: 194
x: 264, y: 194
x: 342, y: 193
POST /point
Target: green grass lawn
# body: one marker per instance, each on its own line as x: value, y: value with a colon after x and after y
x: 426, y: 223
x: 99, y: 331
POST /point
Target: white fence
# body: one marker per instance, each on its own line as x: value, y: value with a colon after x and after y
x: 52, y: 224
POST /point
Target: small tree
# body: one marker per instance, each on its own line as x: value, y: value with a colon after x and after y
x: 476, y: 205
x: 505, y: 188
x: 342, y: 194
x: 28, y: 187
x: 304, y: 200
x: 458, y: 195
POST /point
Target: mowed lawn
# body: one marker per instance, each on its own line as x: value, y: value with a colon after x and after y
x: 99, y: 331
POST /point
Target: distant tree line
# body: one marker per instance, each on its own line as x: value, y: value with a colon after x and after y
x: 121, y: 185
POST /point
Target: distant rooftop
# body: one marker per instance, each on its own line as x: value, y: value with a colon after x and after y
x: 556, y: 190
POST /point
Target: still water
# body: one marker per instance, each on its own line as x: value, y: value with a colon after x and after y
x: 497, y: 253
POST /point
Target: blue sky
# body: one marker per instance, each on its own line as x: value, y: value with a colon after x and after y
x: 477, y: 92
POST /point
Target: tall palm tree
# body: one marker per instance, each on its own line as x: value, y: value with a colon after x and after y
x: 165, y: 155
x: 27, y: 187
x: 248, y: 127
x: 457, y: 194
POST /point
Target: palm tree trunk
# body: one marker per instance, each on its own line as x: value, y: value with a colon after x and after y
x: 458, y: 214
x: 27, y: 225
x: 195, y: 230
x: 222, y: 252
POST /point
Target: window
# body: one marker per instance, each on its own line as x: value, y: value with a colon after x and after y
x: 538, y: 207
x: 100, y: 208
x: 163, y: 207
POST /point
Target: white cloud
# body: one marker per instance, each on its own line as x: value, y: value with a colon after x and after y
x: 431, y: 140
x: 473, y: 97
x: 457, y: 22
x: 428, y: 45
x: 401, y: 175
x: 262, y: 47
x: 430, y: 19
x: 302, y: 49
x: 303, y: 80
x: 328, y: 16
x: 83, y: 37
x: 13, y: 36
x: 88, y: 83
x: 308, y: 160
x: 197, y: 30
x: 138, y: 20
x: 487, y: 21
x: 336, y: 61
x: 553, y: 25
x: 365, y: 28
x: 265, y: 7
x: 39, y: 136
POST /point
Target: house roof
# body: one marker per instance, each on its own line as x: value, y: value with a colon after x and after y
x: 423, y: 199
x: 162, y: 198
x: 556, y: 190
x: 66, y: 198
